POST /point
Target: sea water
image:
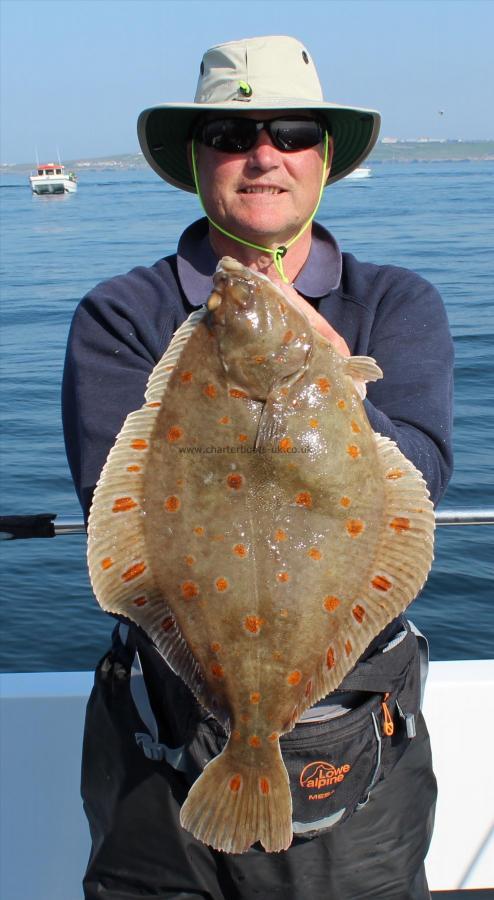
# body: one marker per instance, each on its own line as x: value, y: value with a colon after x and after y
x: 435, y: 218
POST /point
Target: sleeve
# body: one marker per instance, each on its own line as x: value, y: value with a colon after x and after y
x: 413, y: 403
x: 118, y: 333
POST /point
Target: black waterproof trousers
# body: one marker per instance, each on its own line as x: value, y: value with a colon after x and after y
x: 140, y: 850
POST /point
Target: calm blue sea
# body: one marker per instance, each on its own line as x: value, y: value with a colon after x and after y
x: 436, y: 218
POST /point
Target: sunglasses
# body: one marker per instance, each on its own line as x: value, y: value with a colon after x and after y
x: 237, y: 135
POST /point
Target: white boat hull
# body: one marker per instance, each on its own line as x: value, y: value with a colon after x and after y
x: 41, y: 184
x: 44, y: 833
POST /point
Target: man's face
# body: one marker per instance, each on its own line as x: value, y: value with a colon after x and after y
x: 264, y: 194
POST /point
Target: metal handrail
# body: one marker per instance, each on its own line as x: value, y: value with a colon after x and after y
x: 44, y: 524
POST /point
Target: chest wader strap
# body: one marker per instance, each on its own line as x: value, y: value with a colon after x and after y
x: 148, y: 740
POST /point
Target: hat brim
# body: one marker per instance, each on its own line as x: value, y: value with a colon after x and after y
x: 164, y: 130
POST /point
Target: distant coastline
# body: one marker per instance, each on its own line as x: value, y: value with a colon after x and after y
x: 388, y: 151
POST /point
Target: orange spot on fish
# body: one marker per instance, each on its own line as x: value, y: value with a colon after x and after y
x: 168, y: 623
x: 304, y: 499
x: 358, y: 612
x: 217, y: 670
x: 172, y: 503
x: 294, y: 677
x: 381, y: 583
x: 353, y: 451
x: 331, y: 603
x: 133, y: 468
x: 400, y: 524
x: 288, y: 336
x: 123, y: 504
x: 107, y: 562
x: 240, y: 550
x: 314, y: 423
x: 186, y: 377
x: 140, y: 601
x: 394, y: 473
x: 189, y: 560
x: 255, y: 697
x: 259, y: 359
x: 348, y: 647
x: 345, y: 501
x: 189, y: 589
x: 314, y: 553
x: 330, y: 658
x: 280, y: 535
x: 174, y: 434
x: 242, y: 438
x: 324, y: 385
x: 221, y: 584
x: 215, y: 647
x: 210, y: 391
x: 285, y: 445
x: 199, y: 530
x: 235, y: 783
x: 341, y: 404
x: 180, y: 482
x: 273, y: 737
x: 283, y: 576
x: 238, y: 394
x: 254, y: 741
x: 354, y: 527
x: 264, y: 786
x: 139, y: 444
x: 134, y: 571
x: 235, y: 482
x: 355, y: 427
x: 253, y: 624
x: 225, y: 420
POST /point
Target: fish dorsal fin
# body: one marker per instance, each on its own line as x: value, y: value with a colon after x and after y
x: 401, y: 563
x: 362, y: 368
x: 117, y: 555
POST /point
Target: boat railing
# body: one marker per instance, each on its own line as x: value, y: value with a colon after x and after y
x: 48, y: 525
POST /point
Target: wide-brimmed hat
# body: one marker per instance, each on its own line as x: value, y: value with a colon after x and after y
x: 261, y: 73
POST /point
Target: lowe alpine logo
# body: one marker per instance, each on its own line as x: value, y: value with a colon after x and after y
x: 319, y: 775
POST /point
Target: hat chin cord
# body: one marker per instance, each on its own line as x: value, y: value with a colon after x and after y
x: 282, y: 250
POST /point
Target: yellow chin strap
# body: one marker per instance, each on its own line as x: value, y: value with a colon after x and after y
x: 282, y: 250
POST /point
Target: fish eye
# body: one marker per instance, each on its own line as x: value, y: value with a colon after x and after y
x: 241, y: 292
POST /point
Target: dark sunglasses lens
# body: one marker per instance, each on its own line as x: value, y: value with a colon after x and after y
x: 237, y: 135
x: 229, y: 135
x: 295, y: 134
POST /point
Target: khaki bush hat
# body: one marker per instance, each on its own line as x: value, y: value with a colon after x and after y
x: 261, y: 73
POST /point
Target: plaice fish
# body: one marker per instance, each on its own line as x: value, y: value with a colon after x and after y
x: 253, y: 524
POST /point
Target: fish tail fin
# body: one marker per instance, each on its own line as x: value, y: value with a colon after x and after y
x: 233, y: 805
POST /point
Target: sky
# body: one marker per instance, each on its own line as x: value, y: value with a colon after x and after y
x: 76, y: 73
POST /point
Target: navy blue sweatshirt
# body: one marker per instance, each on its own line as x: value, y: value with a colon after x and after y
x: 122, y: 328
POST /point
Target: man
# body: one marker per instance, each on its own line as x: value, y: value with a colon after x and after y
x: 258, y: 145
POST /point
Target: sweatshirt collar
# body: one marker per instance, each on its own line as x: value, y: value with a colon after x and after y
x: 196, y: 263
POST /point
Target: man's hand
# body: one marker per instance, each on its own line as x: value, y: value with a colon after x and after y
x: 318, y: 322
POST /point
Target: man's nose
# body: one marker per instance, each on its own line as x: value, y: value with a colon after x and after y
x: 264, y: 154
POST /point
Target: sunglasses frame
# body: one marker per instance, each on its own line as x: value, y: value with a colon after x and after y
x: 259, y: 125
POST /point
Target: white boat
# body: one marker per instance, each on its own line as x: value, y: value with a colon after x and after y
x: 51, y: 178
x: 361, y: 172
x: 44, y: 834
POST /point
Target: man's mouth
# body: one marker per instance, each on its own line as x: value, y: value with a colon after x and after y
x: 261, y: 189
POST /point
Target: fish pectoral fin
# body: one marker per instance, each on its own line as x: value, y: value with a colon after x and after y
x: 362, y: 369
x: 234, y: 803
x: 271, y: 427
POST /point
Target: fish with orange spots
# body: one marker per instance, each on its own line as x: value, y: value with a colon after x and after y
x: 253, y: 428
